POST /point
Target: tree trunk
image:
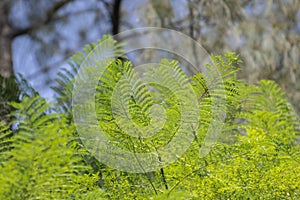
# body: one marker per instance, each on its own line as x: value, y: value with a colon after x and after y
x: 115, y: 16
x: 6, y: 38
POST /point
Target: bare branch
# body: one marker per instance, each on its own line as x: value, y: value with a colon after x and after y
x: 49, y: 18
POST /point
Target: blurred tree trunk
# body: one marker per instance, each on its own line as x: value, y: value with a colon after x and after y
x: 115, y: 16
x: 6, y: 37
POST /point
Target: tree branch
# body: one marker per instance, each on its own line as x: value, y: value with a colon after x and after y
x: 49, y: 18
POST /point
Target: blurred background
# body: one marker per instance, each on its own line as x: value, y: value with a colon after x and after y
x: 38, y: 36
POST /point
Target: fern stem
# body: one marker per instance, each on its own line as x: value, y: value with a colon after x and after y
x: 162, y: 171
x: 163, y: 175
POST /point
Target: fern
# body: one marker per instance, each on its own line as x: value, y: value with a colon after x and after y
x: 44, y: 165
x: 92, y: 53
x: 219, y: 97
x: 9, y: 91
x: 12, y: 90
x: 5, y: 141
x: 275, y: 115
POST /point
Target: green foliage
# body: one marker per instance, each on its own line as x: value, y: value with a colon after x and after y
x: 42, y: 164
x: 9, y: 91
x: 12, y: 89
x: 255, y: 157
x: 66, y: 77
x: 120, y: 77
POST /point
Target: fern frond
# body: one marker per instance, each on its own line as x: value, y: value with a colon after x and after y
x: 5, y: 141
x: 218, y: 91
x: 92, y: 53
x: 9, y: 91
